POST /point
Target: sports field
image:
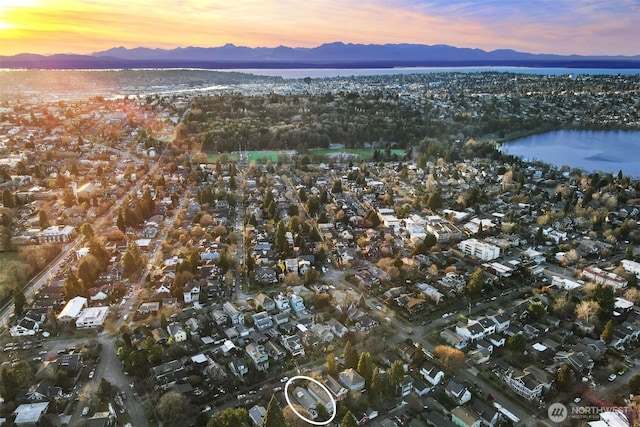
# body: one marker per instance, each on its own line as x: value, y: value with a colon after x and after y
x: 262, y: 156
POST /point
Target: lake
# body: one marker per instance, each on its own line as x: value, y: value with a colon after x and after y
x: 606, y: 151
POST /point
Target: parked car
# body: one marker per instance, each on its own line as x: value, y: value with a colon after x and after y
x: 85, y: 411
x: 612, y: 377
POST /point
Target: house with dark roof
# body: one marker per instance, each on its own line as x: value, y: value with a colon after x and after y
x: 457, y: 392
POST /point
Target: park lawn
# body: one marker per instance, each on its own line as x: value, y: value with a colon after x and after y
x: 213, y: 157
x: 6, y: 282
x: 363, y: 153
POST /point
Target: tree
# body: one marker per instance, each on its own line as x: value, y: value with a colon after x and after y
x: 229, y: 418
x: 132, y: 259
x: 120, y: 222
x: 273, y: 417
x: 72, y: 286
x: 396, y: 375
x: 607, y: 332
x: 537, y: 312
x: 43, y: 220
x: 564, y: 380
x: 365, y: 367
x: 418, y: 356
x: 375, y: 388
x: 435, y: 200
x: 171, y: 405
x: 517, y: 344
x: 475, y: 283
x: 330, y: 365
x: 349, y: 420
x: 19, y: 300
x: 450, y: 357
x: 87, y: 231
x: 8, y: 200
x: 587, y: 311
x: 605, y: 297
x: 350, y: 356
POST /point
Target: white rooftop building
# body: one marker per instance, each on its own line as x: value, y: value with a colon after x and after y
x: 92, y: 317
x: 72, y: 309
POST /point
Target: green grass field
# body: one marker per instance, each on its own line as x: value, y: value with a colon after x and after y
x: 363, y: 153
x: 262, y: 156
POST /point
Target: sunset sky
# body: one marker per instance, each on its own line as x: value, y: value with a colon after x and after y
x: 585, y: 27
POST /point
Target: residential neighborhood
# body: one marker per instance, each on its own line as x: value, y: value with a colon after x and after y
x: 167, y: 285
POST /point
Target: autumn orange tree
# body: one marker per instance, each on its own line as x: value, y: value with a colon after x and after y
x: 451, y: 358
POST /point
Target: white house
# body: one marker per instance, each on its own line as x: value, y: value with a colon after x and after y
x: 72, y: 309
x: 24, y: 327
x: 236, y: 317
x: 431, y: 373
x: 177, y: 332
x: 631, y: 267
x: 92, y: 317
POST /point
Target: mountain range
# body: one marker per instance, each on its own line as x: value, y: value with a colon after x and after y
x: 329, y: 55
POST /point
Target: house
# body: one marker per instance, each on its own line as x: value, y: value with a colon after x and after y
x: 293, y: 344
x: 323, y: 332
x: 238, y: 367
x: 297, y: 303
x: 338, y: 391
x: 453, y: 339
x: 70, y: 363
x: 177, y: 332
x: 258, y: 356
x: 435, y: 419
x: 147, y: 308
x: 470, y: 331
x: 266, y: 302
x: 463, y: 417
x: 351, y: 379
x: 165, y: 376
x: 236, y: 317
x: 262, y: 321
x: 282, y: 302
x: 487, y: 413
x: 457, y: 392
x: 420, y: 387
x: 366, y: 416
x: 160, y: 336
x: 337, y: 328
x: 30, y: 414
x: 25, y: 327
x: 219, y: 317
x: 431, y: 373
x: 191, y: 292
x: 523, y: 384
x: 580, y: 361
x: 320, y: 395
x: 266, y: 276
x: 405, y: 386
x: 275, y: 351
x: 600, y: 276
x: 256, y: 415
x: 307, y: 401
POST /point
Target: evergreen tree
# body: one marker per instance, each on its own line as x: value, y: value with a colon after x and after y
x: 120, y: 221
x: 396, y: 375
x: 19, y: 300
x: 350, y: 355
x: 72, y: 286
x: 475, y: 283
x: 43, y: 220
x: 8, y: 200
x: 132, y: 259
x: 330, y: 365
x: 607, y: 332
x: 273, y: 417
x: 365, y: 367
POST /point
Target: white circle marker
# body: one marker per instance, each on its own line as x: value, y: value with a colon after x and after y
x: 324, y: 388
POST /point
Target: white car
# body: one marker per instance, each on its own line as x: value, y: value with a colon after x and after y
x: 284, y: 379
x: 612, y: 377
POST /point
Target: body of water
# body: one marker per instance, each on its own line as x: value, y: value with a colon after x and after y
x: 606, y: 151
x: 314, y: 73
